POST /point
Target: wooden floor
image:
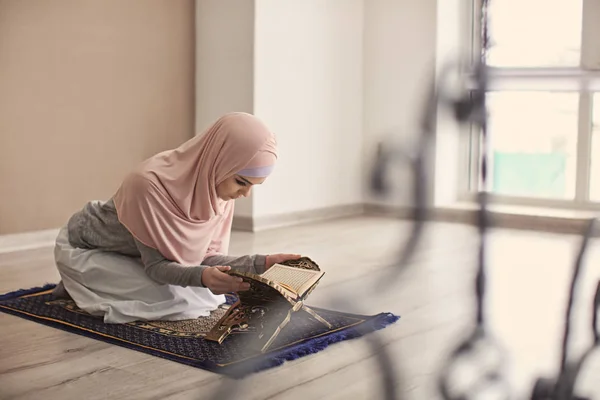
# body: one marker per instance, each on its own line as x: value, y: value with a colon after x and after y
x: 527, y: 284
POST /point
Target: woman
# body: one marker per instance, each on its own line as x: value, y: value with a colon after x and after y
x: 157, y: 249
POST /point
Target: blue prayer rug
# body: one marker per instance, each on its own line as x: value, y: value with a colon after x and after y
x: 183, y: 341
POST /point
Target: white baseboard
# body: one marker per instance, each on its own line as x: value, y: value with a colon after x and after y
x: 39, y: 239
x: 28, y: 240
x: 262, y: 223
x: 502, y: 217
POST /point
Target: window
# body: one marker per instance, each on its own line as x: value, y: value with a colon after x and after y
x: 544, y: 120
x: 534, y: 33
x: 533, y: 143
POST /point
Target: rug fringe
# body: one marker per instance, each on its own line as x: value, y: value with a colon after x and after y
x: 24, y: 292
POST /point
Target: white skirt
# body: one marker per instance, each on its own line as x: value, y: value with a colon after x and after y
x: 117, y: 288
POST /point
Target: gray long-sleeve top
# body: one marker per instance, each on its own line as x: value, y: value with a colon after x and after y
x: 97, y: 226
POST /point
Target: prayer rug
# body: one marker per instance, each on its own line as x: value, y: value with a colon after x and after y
x: 183, y: 341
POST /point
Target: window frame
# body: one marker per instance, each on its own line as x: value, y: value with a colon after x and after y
x: 584, y: 79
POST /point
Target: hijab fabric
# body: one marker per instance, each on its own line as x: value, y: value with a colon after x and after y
x: 170, y: 201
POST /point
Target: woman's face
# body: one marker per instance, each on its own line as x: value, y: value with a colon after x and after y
x: 236, y: 187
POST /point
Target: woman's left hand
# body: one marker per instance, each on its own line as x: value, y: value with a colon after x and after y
x: 273, y: 259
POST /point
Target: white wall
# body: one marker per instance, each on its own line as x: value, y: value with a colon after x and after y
x: 298, y: 66
x: 308, y: 87
x: 224, y: 65
x: 399, y: 63
x: 330, y: 77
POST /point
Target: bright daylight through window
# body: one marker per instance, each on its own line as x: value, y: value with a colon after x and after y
x: 544, y: 141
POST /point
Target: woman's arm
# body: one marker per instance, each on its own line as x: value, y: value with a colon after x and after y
x: 255, y: 264
x: 164, y: 271
x: 169, y: 272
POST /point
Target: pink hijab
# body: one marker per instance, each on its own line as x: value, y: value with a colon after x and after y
x: 170, y: 201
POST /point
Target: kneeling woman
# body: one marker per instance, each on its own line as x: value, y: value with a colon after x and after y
x: 157, y: 250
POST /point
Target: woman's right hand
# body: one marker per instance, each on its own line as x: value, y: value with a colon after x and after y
x: 215, y: 279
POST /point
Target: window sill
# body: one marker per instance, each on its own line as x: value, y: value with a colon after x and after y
x: 502, y: 216
x: 520, y: 217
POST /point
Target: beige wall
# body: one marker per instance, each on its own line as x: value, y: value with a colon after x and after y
x: 88, y: 88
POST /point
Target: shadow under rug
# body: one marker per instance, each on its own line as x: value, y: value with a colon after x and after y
x: 183, y: 341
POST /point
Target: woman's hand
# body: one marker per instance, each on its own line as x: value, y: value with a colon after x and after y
x: 215, y: 279
x: 273, y: 259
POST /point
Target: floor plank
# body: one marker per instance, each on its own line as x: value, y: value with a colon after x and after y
x: 528, y: 279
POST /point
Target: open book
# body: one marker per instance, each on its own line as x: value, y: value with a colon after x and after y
x: 296, y: 282
x: 270, y: 302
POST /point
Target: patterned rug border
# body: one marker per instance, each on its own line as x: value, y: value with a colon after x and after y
x: 371, y: 323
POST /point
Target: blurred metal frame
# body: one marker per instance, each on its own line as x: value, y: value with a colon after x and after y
x: 468, y: 107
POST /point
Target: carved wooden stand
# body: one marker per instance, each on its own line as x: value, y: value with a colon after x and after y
x: 264, y: 309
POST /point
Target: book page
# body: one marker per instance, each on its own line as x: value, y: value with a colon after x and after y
x: 294, y: 278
